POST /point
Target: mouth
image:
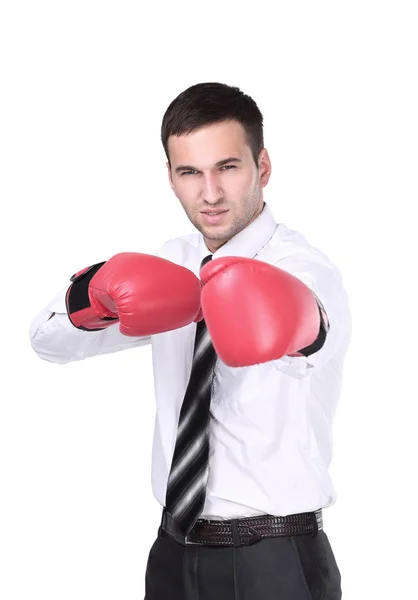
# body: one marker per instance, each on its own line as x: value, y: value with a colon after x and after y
x: 213, y: 216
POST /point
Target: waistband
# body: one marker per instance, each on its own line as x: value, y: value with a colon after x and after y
x: 245, y: 531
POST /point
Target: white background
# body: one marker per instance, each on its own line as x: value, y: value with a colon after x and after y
x: 83, y: 176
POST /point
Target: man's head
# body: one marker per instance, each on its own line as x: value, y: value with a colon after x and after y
x: 213, y: 138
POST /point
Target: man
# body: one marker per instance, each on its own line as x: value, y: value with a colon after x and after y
x: 249, y: 327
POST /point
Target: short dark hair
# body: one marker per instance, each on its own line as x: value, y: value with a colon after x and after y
x: 207, y: 103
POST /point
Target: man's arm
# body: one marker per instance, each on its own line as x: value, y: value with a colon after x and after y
x: 294, y: 313
x: 55, y: 339
x: 116, y: 305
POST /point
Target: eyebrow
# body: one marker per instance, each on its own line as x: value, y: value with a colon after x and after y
x: 220, y: 163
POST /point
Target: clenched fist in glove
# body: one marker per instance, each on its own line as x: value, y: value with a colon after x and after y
x: 256, y: 312
x: 145, y: 293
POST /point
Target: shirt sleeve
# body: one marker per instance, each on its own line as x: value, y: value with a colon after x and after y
x: 55, y: 339
x: 324, y: 279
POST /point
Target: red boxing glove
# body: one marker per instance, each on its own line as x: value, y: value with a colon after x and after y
x: 256, y: 312
x: 145, y: 293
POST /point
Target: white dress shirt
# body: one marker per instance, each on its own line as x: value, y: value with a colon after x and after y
x: 270, y: 424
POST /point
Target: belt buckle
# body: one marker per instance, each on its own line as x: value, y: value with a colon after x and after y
x: 187, y: 542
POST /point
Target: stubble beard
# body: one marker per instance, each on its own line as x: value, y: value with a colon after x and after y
x: 251, y: 207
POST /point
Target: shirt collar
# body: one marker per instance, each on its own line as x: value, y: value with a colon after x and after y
x: 249, y: 241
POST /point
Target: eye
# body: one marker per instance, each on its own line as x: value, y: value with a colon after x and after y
x: 187, y: 173
x: 227, y: 167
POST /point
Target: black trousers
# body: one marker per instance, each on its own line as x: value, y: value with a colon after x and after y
x: 299, y: 567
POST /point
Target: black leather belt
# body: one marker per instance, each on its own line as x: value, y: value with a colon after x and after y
x: 245, y: 531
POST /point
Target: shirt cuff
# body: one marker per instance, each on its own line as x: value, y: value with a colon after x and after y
x: 295, y: 366
x: 57, y: 304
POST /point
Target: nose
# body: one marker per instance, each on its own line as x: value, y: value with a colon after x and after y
x: 211, y: 191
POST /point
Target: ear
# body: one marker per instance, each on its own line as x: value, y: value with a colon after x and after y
x: 264, y: 167
x: 170, y: 180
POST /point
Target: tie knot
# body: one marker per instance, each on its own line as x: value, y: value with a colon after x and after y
x: 205, y: 260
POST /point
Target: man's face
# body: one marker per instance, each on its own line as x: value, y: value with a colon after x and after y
x: 212, y: 169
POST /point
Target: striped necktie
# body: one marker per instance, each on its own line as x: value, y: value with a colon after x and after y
x: 186, y: 487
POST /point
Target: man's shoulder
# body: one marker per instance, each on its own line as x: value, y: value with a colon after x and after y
x: 288, y: 243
